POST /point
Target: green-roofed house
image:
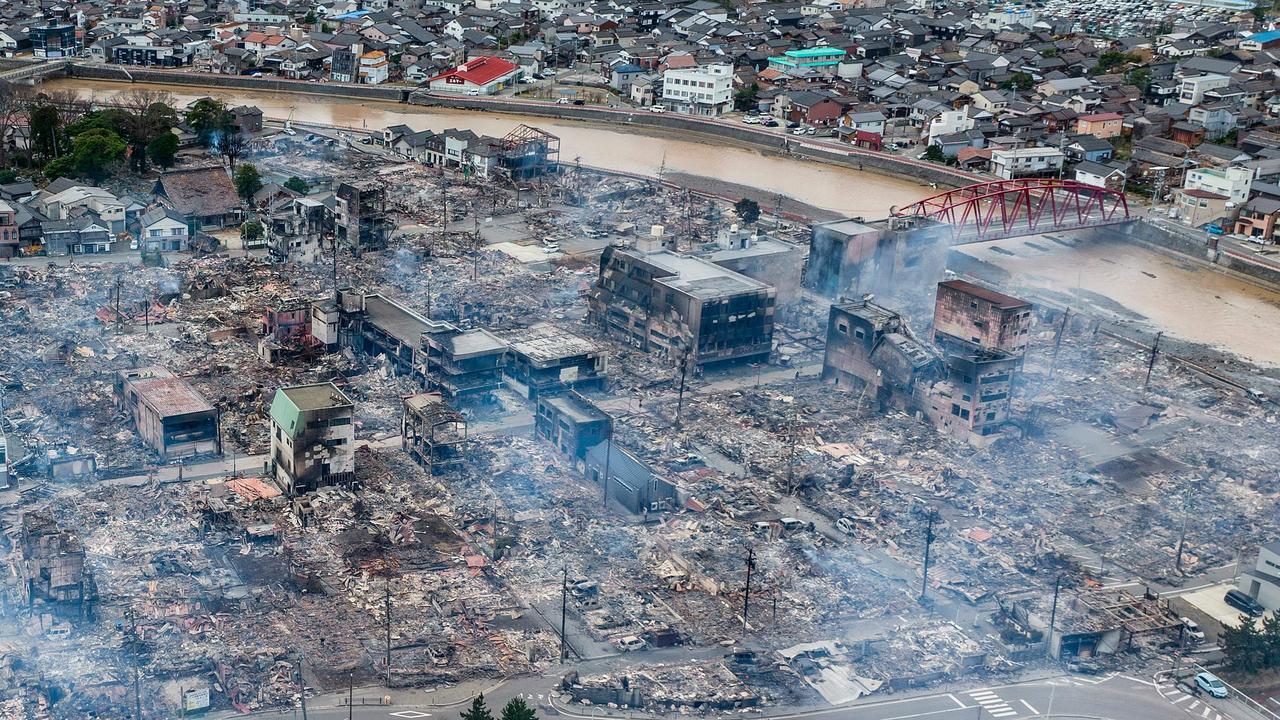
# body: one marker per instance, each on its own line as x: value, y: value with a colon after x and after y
x: 312, y: 438
x: 814, y: 57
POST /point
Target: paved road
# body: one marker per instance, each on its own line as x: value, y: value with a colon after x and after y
x: 1113, y: 697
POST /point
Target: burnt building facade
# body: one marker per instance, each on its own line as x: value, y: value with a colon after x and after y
x: 850, y: 258
x: 170, y: 415
x: 687, y: 308
x: 871, y: 346
x: 361, y: 219
x: 312, y: 438
x: 572, y: 425
x: 50, y: 565
x: 968, y: 315
x: 546, y: 359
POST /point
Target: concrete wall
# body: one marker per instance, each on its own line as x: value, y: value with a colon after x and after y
x: 239, y: 82
x: 1189, y: 243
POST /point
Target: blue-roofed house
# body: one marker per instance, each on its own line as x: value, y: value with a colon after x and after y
x: 631, y: 483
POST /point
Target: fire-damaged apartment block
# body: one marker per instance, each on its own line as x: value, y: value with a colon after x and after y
x: 962, y: 381
x: 170, y: 415
x: 685, y: 307
x: 312, y: 438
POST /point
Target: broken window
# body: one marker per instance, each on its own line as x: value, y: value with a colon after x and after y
x: 843, y: 328
x: 859, y: 333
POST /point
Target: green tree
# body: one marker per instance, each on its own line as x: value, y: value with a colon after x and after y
x: 1019, y: 81
x: 517, y: 709
x: 1139, y: 77
x: 746, y: 98
x: 748, y: 210
x: 1244, y: 646
x: 46, y: 133
x: 209, y: 119
x: 248, y: 181
x: 93, y: 155
x: 310, y: 19
x: 934, y: 154
x: 297, y: 185
x: 251, y: 231
x: 163, y: 150
x: 478, y: 710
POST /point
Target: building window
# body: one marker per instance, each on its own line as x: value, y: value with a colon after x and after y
x: 843, y: 328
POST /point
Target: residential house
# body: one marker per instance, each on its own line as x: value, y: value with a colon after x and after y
x: 162, y: 229
x: 1258, y: 219
x: 203, y: 196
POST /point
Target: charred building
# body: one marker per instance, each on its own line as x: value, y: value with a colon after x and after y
x: 626, y: 480
x: 546, y: 359
x: 170, y: 415
x: 684, y: 307
x: 312, y: 438
x: 968, y: 315
x: 849, y: 258
x: 764, y: 258
x: 431, y: 431
x: 362, y: 222
x: 298, y: 230
x: 50, y: 564
x: 872, y: 346
x: 571, y: 424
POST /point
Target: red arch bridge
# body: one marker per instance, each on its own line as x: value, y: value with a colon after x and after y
x: 1026, y: 206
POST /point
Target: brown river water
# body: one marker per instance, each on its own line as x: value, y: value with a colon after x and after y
x: 1176, y: 296
x: 830, y: 187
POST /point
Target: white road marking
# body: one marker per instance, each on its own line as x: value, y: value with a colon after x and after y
x: 980, y: 695
x: 1030, y: 709
x: 1206, y: 712
x: 410, y: 714
x: 957, y: 701
x: 990, y: 701
x: 1137, y: 680
x: 1193, y: 706
x: 1006, y: 712
x: 1183, y: 698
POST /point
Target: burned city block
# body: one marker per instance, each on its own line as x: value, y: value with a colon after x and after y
x: 544, y: 358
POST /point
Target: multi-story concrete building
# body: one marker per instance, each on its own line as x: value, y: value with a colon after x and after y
x: 1192, y: 89
x: 546, y: 359
x: 312, y: 438
x: 1026, y: 162
x: 170, y: 415
x: 570, y: 424
x: 872, y: 346
x: 703, y: 90
x: 362, y: 222
x: 1233, y: 182
x: 975, y: 316
x: 684, y: 307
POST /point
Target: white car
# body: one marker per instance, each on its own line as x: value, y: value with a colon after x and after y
x: 1193, y: 632
x: 630, y: 643
x: 473, y: 92
x: 751, y: 119
x: 562, y: 101
x: 657, y: 109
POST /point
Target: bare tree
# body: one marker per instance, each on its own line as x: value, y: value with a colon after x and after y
x: 71, y: 107
x: 232, y: 145
x: 14, y: 103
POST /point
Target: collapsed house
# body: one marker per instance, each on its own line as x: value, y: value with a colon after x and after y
x: 432, y: 432
x: 50, y: 563
x: 170, y: 415
x: 962, y: 382
x: 627, y: 480
x: 687, y: 308
x: 361, y: 221
x: 312, y: 438
x: 298, y: 229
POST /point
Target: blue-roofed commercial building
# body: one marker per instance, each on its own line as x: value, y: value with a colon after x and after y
x: 1259, y: 42
x: 814, y: 57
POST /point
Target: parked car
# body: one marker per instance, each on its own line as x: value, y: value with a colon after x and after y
x: 1256, y: 395
x: 1244, y: 603
x: 791, y: 125
x: 657, y: 109
x: 562, y: 101
x: 1192, y: 631
x: 579, y: 101
x: 473, y: 92
x: 770, y: 122
x: 1210, y: 683
x: 1084, y: 667
x: 630, y: 643
x: 751, y: 120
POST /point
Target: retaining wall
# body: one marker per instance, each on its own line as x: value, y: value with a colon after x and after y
x: 128, y: 73
x: 1192, y: 245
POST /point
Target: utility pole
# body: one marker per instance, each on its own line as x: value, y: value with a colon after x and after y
x: 302, y: 691
x: 119, y: 282
x: 1057, y: 341
x: 387, y: 609
x: 475, y: 246
x: 132, y: 617
x: 684, y: 371
x: 777, y: 212
x: 928, y: 542
x: 564, y: 609
x: 791, y: 454
x: 444, y: 206
x: 1053, y: 614
x: 335, y: 267
x: 1182, y: 535
x: 608, y: 455
x: 746, y: 596
x: 1151, y: 363
x: 351, y: 694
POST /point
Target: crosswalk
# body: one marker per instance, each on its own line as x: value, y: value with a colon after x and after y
x: 992, y: 704
x: 1194, y: 707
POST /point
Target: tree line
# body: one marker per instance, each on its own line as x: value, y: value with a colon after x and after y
x: 69, y: 137
x: 516, y: 709
x: 1249, y: 647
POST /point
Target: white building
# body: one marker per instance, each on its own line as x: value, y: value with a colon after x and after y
x: 1262, y: 583
x: 949, y: 122
x: 481, y: 75
x: 1007, y: 16
x: 705, y: 90
x: 1233, y: 182
x: 1193, y: 88
x: 374, y: 68
x: 1026, y: 162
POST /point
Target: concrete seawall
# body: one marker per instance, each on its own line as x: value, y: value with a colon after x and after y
x: 240, y: 82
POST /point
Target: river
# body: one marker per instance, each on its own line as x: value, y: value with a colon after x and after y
x: 1162, y: 291
x: 831, y: 187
